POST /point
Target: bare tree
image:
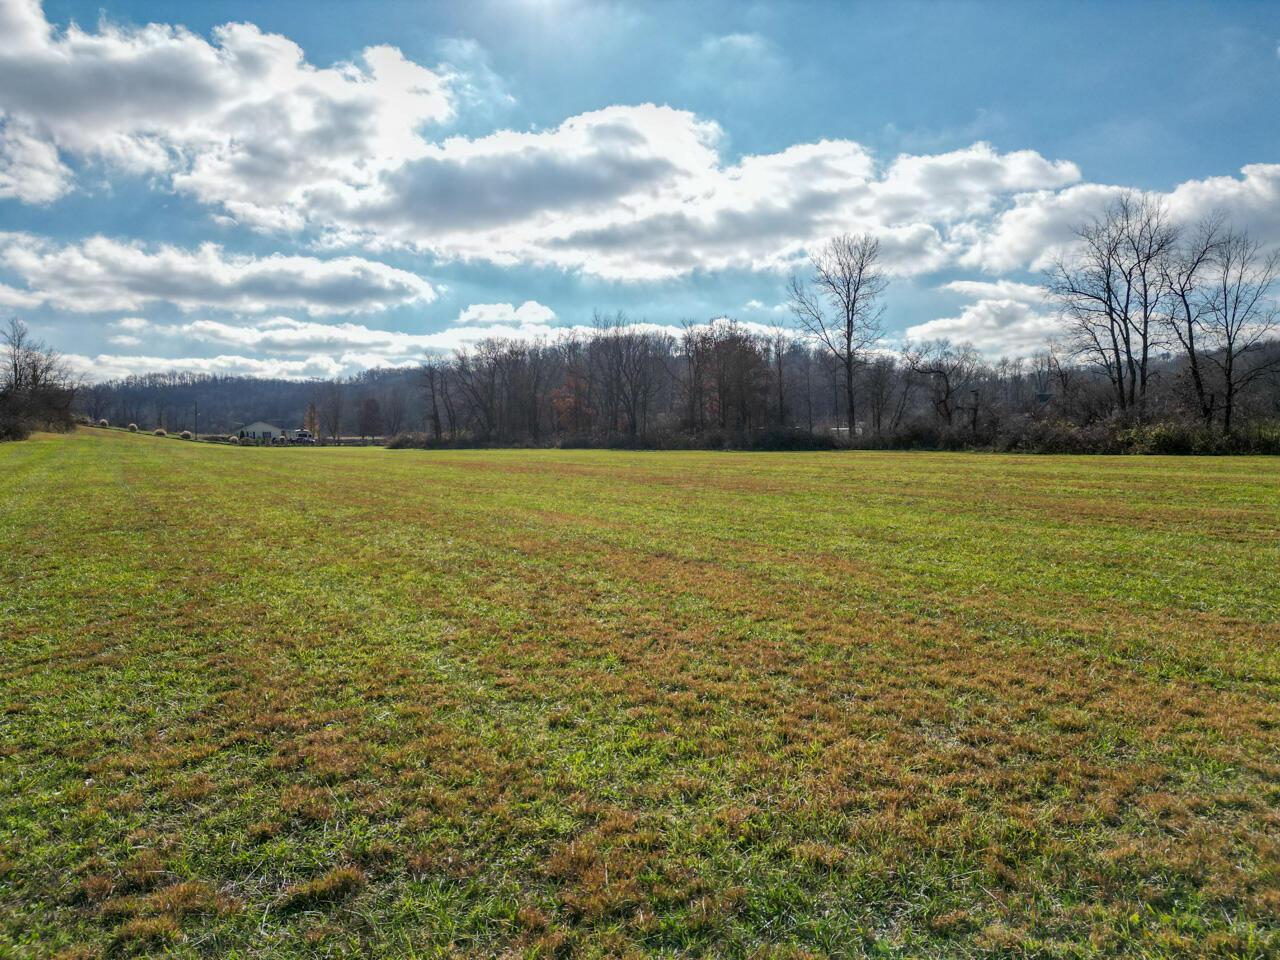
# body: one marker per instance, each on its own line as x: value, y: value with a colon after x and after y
x: 839, y: 305
x: 1111, y: 290
x: 780, y: 342
x: 434, y: 375
x: 889, y: 390
x: 475, y: 370
x: 330, y: 407
x: 36, y: 387
x: 1239, y: 315
x: 1184, y: 274
x: 394, y: 409
x: 951, y: 373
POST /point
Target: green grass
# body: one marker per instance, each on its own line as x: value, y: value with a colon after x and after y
x: 287, y: 702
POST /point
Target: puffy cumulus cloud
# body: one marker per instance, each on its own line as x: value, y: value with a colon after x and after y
x: 354, y: 155
x: 244, y: 123
x: 1251, y: 201
x: 528, y: 314
x: 962, y: 184
x: 995, y: 327
x: 1040, y: 224
x: 1004, y: 319
x: 30, y: 169
x: 1037, y: 228
x: 502, y: 197
x: 102, y: 274
x: 105, y: 366
x: 241, y: 120
x: 13, y: 297
x: 642, y: 193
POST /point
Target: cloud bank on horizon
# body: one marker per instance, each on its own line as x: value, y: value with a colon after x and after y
x: 339, y: 193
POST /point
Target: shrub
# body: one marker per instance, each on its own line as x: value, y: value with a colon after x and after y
x: 186, y: 434
x: 160, y: 432
x: 133, y: 428
x: 1263, y: 437
x: 13, y: 428
x: 103, y: 423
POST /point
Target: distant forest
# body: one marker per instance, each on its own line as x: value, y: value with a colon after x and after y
x: 1168, y: 343
x: 717, y: 386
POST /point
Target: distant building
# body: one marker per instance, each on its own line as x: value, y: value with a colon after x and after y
x: 260, y: 430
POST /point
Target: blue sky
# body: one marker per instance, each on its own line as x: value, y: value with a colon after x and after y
x: 275, y: 199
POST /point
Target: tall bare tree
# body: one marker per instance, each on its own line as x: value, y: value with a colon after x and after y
x: 1111, y: 290
x: 1240, y: 315
x: 780, y: 341
x: 394, y: 409
x: 1185, y: 272
x: 434, y: 384
x: 839, y: 305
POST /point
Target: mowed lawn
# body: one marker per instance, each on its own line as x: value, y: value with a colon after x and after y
x: 324, y: 702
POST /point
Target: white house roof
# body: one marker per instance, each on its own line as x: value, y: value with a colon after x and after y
x: 258, y: 426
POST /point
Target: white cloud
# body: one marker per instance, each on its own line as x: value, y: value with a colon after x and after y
x: 112, y: 366
x: 1005, y: 319
x: 1035, y: 230
x: 353, y: 155
x: 30, y: 169
x: 286, y: 335
x: 356, y: 345
x: 304, y: 348
x: 642, y: 193
x: 245, y: 124
x: 995, y: 327
x: 997, y: 290
x: 1041, y: 224
x: 103, y: 274
x: 1251, y: 201
x: 13, y: 297
x: 242, y: 121
x: 528, y: 314
x: 963, y: 184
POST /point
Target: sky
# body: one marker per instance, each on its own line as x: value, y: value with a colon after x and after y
x: 312, y: 188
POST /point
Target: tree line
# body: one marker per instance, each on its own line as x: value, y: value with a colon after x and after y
x: 1167, y: 342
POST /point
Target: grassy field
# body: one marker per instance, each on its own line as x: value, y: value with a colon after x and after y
x: 288, y: 702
